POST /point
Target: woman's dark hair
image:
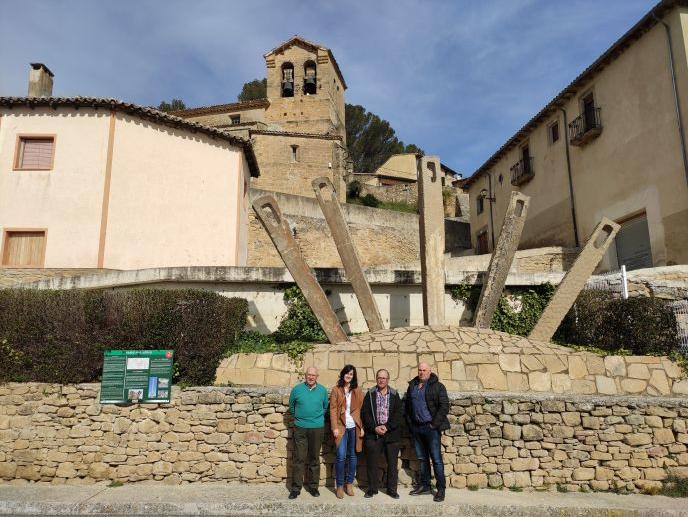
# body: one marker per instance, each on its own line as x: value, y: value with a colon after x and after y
x: 354, y: 382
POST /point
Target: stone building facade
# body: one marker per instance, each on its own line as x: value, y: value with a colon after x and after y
x: 299, y: 130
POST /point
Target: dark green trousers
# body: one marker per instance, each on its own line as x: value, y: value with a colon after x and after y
x: 307, y: 444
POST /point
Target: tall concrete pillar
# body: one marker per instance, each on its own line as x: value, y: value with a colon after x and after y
x: 574, y: 280
x: 502, y: 257
x: 326, y: 195
x: 277, y: 227
x: 431, y: 238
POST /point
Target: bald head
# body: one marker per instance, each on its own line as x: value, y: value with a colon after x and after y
x: 424, y: 371
x: 311, y: 376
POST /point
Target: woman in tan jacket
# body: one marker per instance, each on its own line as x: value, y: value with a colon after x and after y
x: 346, y: 400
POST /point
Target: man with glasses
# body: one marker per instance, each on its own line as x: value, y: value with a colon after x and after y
x: 382, y: 414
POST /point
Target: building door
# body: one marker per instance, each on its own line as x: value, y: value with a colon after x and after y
x: 588, y: 112
x: 633, y: 244
x: 482, y: 243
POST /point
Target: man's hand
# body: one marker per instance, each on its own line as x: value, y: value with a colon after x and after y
x: 381, y: 430
x: 336, y: 433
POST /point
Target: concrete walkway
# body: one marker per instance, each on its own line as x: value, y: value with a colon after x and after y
x: 268, y: 500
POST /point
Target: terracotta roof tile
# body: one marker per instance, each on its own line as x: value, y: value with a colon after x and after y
x: 222, y: 108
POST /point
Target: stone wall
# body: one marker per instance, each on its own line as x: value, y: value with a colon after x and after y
x: 10, y: 277
x: 380, y: 236
x: 61, y: 434
x: 468, y: 359
x: 457, y: 206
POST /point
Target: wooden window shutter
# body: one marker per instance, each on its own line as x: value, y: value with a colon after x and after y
x: 24, y: 249
x: 36, y: 153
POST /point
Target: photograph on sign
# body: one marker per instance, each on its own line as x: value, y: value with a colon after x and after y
x: 138, y: 363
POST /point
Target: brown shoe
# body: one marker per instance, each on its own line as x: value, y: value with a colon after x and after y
x: 349, y: 489
x: 340, y: 492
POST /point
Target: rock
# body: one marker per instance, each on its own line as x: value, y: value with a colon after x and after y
x: 577, y: 367
x: 663, y: 436
x: 605, y: 385
x: 511, y: 432
x: 583, y: 474
x: 7, y: 470
x: 162, y: 468
x: 476, y: 480
x: 615, y: 366
x: 521, y: 464
x: 510, y: 363
x: 532, y: 432
x: 540, y: 381
x: 99, y: 470
x: 638, y: 371
x: 659, y: 381
x: 66, y: 470
x: 492, y: 378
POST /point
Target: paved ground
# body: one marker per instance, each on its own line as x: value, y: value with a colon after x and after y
x: 267, y: 500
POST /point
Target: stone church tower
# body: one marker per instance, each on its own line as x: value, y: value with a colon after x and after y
x: 298, y: 131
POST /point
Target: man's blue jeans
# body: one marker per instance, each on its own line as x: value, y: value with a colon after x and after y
x: 346, y: 458
x: 428, y: 446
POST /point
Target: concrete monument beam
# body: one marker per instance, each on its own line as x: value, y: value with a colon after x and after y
x: 431, y: 238
x: 277, y: 227
x: 502, y: 257
x: 574, y: 280
x: 326, y: 195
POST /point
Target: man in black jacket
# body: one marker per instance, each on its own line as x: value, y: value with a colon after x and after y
x: 427, y: 406
x: 382, y: 414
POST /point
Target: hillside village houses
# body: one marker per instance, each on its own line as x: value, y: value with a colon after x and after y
x: 612, y: 143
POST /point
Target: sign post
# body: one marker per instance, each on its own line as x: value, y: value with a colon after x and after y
x: 136, y: 376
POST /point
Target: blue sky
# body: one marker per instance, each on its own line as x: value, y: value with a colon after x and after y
x: 457, y: 78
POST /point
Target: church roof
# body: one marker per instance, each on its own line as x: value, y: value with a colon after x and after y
x: 303, y: 42
x: 222, y: 108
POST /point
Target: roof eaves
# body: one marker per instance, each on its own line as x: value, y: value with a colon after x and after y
x: 143, y: 112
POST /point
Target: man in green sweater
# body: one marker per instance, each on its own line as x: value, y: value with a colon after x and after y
x: 307, y: 403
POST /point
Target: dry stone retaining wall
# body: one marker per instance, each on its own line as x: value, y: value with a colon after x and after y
x: 468, y: 359
x: 61, y: 434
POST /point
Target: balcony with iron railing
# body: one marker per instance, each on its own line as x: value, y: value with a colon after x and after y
x: 585, y: 127
x: 522, y: 172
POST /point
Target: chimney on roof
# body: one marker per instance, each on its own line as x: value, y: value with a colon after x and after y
x: 40, y: 81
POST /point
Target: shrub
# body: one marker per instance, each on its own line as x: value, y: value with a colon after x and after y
x: 370, y: 200
x: 642, y: 326
x: 299, y: 324
x: 353, y: 189
x: 60, y: 336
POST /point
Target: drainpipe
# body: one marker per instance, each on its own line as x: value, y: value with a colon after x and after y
x: 568, y: 169
x: 679, y: 119
x: 491, y: 199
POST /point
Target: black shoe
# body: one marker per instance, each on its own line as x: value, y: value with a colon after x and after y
x: 393, y: 495
x: 421, y: 490
x: 439, y: 496
x: 294, y: 494
x: 314, y: 492
x: 370, y: 493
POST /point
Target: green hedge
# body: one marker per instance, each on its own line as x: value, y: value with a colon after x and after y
x: 60, y: 336
x: 641, y: 326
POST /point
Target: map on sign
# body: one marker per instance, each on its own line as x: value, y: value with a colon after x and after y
x: 136, y: 376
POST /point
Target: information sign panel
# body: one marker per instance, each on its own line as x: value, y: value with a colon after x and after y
x: 136, y: 376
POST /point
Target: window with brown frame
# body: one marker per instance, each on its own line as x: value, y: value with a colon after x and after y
x: 35, y: 153
x: 23, y: 248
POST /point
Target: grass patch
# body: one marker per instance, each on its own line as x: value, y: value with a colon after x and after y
x: 115, y: 484
x: 515, y: 489
x: 561, y: 488
x: 473, y: 488
x: 674, y: 486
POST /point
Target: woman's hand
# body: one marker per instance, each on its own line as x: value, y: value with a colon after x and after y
x: 336, y: 433
x: 362, y: 432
